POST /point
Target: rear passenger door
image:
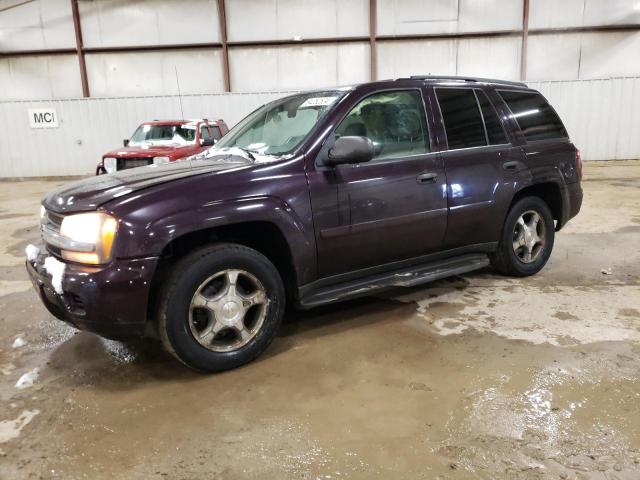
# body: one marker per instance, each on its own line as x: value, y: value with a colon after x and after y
x: 479, y: 161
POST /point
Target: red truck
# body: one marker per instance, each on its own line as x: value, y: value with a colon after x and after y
x: 163, y: 141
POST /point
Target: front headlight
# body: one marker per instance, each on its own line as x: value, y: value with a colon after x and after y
x: 110, y: 164
x: 161, y: 160
x: 87, y: 237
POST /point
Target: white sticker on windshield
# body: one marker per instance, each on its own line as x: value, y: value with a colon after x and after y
x: 318, y: 101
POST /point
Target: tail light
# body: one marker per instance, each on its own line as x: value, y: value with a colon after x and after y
x: 578, y: 164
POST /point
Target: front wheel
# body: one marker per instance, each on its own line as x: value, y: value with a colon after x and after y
x: 527, y: 238
x: 221, y: 307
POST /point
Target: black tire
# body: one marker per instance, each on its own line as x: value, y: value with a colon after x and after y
x: 175, y: 299
x: 505, y: 260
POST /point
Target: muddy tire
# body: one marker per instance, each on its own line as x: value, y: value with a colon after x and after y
x: 526, y: 240
x: 220, y: 307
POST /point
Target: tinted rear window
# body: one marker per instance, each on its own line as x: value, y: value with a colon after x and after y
x: 536, y: 118
x: 461, y: 116
x: 495, y: 133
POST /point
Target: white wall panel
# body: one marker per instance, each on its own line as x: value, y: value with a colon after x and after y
x: 38, y: 25
x: 298, y: 67
x: 397, y: 17
x: 287, y: 19
x: 153, y: 73
x: 608, y: 12
x: 579, y: 13
x: 553, y: 57
x: 583, y: 55
x: 610, y: 55
x: 555, y: 14
x: 420, y: 57
x: 108, y: 23
x: 490, y: 57
x: 91, y: 127
x: 487, y: 57
x: 53, y: 76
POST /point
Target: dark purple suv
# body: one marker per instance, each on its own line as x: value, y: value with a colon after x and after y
x: 314, y: 198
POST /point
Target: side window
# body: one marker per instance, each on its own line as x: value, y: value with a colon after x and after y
x: 536, y: 118
x: 495, y: 132
x: 205, y: 134
x: 216, y: 132
x: 395, y: 121
x: 461, y: 116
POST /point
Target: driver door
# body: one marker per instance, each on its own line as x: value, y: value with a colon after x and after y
x: 389, y: 209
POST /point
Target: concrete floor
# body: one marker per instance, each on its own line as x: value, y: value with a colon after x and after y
x: 478, y: 376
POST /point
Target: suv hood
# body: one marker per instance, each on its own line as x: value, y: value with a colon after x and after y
x: 90, y: 193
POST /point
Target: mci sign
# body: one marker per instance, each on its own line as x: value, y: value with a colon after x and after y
x: 43, y: 118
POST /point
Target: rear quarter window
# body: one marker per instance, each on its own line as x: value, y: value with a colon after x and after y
x: 535, y: 117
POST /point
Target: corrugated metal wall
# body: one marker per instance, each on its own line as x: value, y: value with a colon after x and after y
x: 602, y: 116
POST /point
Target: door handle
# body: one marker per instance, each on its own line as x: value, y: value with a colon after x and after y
x: 511, y: 166
x: 427, y: 178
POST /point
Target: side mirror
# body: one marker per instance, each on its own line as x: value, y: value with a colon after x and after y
x: 207, y: 142
x: 350, y: 150
x: 125, y: 142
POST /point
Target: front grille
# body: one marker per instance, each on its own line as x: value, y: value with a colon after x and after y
x: 126, y: 163
x: 53, y: 221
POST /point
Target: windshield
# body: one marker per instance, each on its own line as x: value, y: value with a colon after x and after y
x: 164, y: 135
x: 279, y: 127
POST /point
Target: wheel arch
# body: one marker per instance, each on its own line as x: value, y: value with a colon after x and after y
x: 263, y: 236
x: 550, y: 193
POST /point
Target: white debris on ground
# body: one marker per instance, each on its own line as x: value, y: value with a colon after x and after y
x: 28, y: 379
x: 55, y: 268
x: 563, y: 316
x: 606, y: 271
x: 31, y: 251
x: 19, y: 342
x: 10, y: 429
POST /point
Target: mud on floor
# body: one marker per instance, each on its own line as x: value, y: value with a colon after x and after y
x: 478, y: 377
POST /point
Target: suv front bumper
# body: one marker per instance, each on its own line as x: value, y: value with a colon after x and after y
x: 108, y: 300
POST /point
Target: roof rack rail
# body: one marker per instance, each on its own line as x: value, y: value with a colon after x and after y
x: 464, y: 79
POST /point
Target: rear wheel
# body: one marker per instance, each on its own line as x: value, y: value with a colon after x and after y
x: 527, y: 238
x: 221, y: 307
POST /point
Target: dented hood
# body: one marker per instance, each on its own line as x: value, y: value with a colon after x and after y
x: 150, y: 149
x: 90, y: 193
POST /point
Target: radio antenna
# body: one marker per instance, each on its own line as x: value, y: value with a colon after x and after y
x: 179, y: 94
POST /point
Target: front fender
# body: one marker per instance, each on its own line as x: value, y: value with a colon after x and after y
x: 151, y: 238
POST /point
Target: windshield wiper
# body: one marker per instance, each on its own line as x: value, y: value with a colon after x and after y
x: 249, y: 153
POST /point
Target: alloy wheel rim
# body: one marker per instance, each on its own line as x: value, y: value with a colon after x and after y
x: 529, y: 236
x: 227, y: 310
